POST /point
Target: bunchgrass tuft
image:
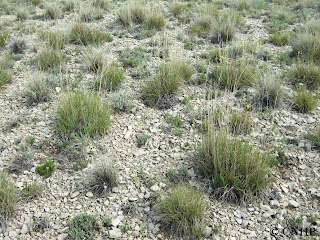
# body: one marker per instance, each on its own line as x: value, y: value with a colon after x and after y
x: 183, y: 211
x: 269, y: 89
x: 280, y: 39
x: 103, y: 178
x: 93, y: 59
x: 53, y: 39
x: 31, y: 191
x: 38, y: 90
x: 240, y: 122
x: 304, y: 100
x: 49, y: 58
x: 53, y: 11
x: 83, y: 114
x: 18, y: 46
x: 236, y: 169
x: 85, y: 35
x: 5, y: 75
x: 306, y: 73
x: 233, y: 74
x: 161, y: 90
x: 88, y: 13
x: 8, y: 196
x: 306, y: 45
x: 110, y: 77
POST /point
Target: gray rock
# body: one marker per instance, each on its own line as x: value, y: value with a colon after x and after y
x: 293, y: 203
x: 274, y: 203
x: 75, y: 194
x: 115, y: 233
x: 24, y: 229
x: 207, y: 231
x: 140, y: 152
x: 115, y: 222
x: 155, y: 188
x: 89, y: 194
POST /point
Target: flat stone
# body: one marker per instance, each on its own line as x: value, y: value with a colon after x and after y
x: 294, y: 203
x: 274, y: 203
x: 24, y: 229
x: 115, y: 222
x: 75, y: 194
x: 155, y: 188
x: 207, y: 231
x: 140, y: 152
x: 115, y: 233
x: 89, y: 194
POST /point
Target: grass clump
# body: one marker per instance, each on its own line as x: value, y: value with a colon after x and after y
x: 49, y: 58
x: 83, y: 114
x: 103, y: 4
x: 121, y: 101
x: 46, y: 169
x: 306, y: 45
x: 8, y: 196
x: 3, y: 38
x: 280, y: 39
x: 304, y: 100
x: 22, y: 15
x: 31, y: 191
x: 233, y: 74
x: 142, y: 139
x: 93, y: 59
x: 103, y: 178
x: 88, y: 13
x: 5, y: 75
x: 202, y: 25
x: 314, y: 137
x: 53, y: 11
x: 18, y: 46
x: 83, y: 226
x: 269, y: 89
x: 160, y: 91
x: 110, y: 77
x: 306, y: 73
x: 53, y: 39
x: 183, y: 210
x: 85, y: 35
x: 235, y: 168
x: 38, y: 90
x: 240, y: 122
x: 223, y: 31
x: 155, y: 20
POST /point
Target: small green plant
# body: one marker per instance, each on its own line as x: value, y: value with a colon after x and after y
x: 85, y: 35
x: 183, y: 210
x: 125, y: 227
x: 314, y: 137
x: 107, y: 222
x: 83, y: 226
x: 304, y: 100
x: 177, y: 175
x: 3, y: 38
x: 134, y: 57
x: 280, y: 39
x: 174, y: 120
x: 30, y: 140
x: 31, y: 191
x: 121, y: 101
x: 5, y: 75
x: 80, y: 165
x: 103, y: 178
x: 8, y: 196
x: 142, y: 139
x: 110, y: 77
x: 306, y: 73
x: 49, y: 58
x: 46, y: 169
x: 235, y: 168
x: 83, y: 114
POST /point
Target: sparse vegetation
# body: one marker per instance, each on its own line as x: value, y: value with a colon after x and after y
x: 307, y: 74
x: 31, y: 191
x: 83, y: 114
x: 52, y: 11
x: 142, y: 139
x: 49, y: 58
x: 5, y: 75
x: 103, y: 178
x: 83, y: 226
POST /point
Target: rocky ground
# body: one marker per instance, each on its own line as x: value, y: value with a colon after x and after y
x: 142, y: 171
